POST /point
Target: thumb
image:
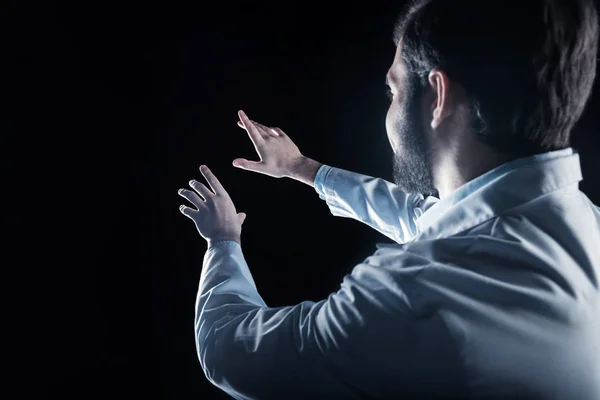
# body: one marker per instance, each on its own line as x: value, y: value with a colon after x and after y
x: 249, y: 165
x: 241, y: 217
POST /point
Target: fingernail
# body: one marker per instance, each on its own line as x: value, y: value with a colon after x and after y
x: 180, y: 191
x: 192, y: 182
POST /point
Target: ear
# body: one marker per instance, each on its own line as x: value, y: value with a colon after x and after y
x: 441, y: 104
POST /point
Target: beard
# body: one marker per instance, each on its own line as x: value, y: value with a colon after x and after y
x: 412, y: 166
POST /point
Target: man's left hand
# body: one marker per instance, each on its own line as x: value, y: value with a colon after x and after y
x: 215, y: 217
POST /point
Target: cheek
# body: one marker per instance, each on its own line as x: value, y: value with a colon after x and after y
x: 391, y: 112
x: 391, y: 124
x: 394, y: 114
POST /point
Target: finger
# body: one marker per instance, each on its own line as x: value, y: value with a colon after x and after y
x: 242, y: 163
x: 212, y: 180
x: 253, y: 132
x: 191, y: 196
x: 264, y: 131
x: 201, y: 189
x: 268, y: 130
x: 261, y: 129
x: 279, y: 132
x: 187, y: 211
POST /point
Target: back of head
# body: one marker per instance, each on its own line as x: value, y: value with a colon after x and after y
x: 527, y: 66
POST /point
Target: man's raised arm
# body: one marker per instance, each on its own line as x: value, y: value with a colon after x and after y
x: 369, y: 339
x: 373, y: 201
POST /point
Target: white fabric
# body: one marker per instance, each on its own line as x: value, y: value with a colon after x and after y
x: 490, y: 293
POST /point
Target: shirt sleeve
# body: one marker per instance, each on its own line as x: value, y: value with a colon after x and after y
x: 374, y: 201
x: 330, y: 349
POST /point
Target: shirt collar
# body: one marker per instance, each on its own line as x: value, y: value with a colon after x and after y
x: 503, y: 187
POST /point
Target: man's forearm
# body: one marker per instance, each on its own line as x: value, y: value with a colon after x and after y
x: 305, y: 171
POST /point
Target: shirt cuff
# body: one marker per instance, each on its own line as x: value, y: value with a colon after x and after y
x: 225, y: 259
x: 320, y: 179
x: 224, y: 244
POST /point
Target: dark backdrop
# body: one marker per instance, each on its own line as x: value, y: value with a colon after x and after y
x: 120, y: 102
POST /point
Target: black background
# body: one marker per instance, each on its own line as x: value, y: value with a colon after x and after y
x: 118, y: 103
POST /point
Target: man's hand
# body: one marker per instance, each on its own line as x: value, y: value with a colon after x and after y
x: 279, y: 156
x: 215, y: 217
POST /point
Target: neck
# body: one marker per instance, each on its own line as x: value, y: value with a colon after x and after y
x: 455, y: 169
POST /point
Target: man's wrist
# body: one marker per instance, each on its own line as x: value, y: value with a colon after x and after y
x: 305, y: 170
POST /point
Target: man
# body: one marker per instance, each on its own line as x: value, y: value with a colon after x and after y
x: 492, y: 287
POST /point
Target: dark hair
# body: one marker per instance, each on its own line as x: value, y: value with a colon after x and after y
x: 527, y: 66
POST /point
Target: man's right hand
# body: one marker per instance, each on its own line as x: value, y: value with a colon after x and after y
x: 279, y: 156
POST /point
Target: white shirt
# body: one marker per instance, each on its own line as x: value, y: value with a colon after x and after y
x: 491, y: 292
